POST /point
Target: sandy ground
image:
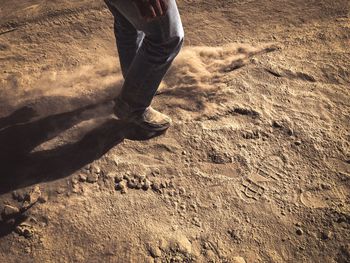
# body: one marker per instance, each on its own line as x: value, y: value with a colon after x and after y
x: 256, y: 167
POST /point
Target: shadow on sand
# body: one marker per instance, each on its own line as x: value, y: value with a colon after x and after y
x: 20, y: 167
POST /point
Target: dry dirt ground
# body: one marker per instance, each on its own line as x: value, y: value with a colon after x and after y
x: 256, y: 167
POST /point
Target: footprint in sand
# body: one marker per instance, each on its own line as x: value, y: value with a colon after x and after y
x: 255, y: 185
x: 272, y: 166
x: 251, y: 191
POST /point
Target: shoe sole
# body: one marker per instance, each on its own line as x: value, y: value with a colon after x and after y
x: 151, y: 129
x: 141, y: 125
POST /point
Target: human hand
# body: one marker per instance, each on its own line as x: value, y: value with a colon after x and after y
x: 151, y: 9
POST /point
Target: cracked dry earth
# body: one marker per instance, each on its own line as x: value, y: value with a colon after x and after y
x: 256, y: 167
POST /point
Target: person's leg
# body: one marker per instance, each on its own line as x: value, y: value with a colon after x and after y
x: 162, y: 42
x: 128, y: 38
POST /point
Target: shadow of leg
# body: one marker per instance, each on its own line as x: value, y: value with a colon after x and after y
x: 62, y: 161
x: 18, y: 140
x: 21, y: 115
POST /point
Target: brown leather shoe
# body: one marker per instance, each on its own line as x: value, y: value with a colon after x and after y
x: 149, y: 119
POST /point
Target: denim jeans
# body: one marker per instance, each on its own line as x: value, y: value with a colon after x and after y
x: 146, y: 50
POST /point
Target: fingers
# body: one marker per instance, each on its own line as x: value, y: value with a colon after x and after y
x: 157, y: 7
x: 152, y: 12
x: 164, y: 5
x: 151, y: 9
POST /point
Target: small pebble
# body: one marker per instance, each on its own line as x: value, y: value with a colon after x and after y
x: 297, y: 143
x: 182, y: 191
x: 131, y: 183
x: 196, y: 222
x: 34, y: 195
x: 155, y: 251
x: 299, y: 231
x: 122, y: 187
x: 24, y: 230
x: 18, y: 195
x: 156, y: 172
x: 43, y: 198
x: 95, y: 169
x: 82, y: 177
x: 155, y: 187
x: 326, y: 235
x: 92, y: 178
x: 118, y: 178
x: 75, y: 180
x: 141, y: 177
x: 10, y: 211
x: 146, y: 185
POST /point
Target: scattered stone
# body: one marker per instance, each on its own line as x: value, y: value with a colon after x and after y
x: 184, y: 245
x: 206, y: 245
x: 82, y: 177
x: 18, y: 196
x: 156, y: 172
x: 92, y: 178
x: 182, y: 191
x: 118, y: 178
x: 122, y: 187
x: 277, y: 124
x: 210, y: 255
x: 238, y: 260
x: 155, y: 187
x: 196, y: 222
x: 138, y: 185
x: 297, y: 143
x: 76, y: 189
x: 60, y: 190
x: 10, y: 211
x: 27, y: 250
x: 146, y: 185
x: 299, y: 231
x: 43, y: 198
x: 95, y: 169
x: 141, y: 178
x: 155, y: 251
x: 131, y: 183
x: 126, y: 177
x: 115, y: 161
x: 219, y: 158
x: 25, y: 230
x: 34, y: 195
x: 326, y: 186
x: 326, y: 235
x: 75, y: 180
x: 251, y: 135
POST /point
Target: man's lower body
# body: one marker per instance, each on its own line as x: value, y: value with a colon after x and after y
x: 146, y: 50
